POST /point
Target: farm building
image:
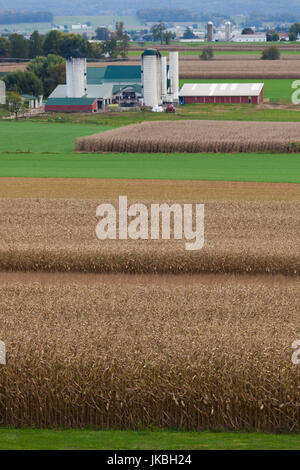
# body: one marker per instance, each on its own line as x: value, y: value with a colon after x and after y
x: 222, y: 93
x: 89, y: 89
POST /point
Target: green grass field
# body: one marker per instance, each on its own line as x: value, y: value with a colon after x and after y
x: 30, y: 439
x: 46, y: 150
x: 196, y: 53
x: 131, y: 22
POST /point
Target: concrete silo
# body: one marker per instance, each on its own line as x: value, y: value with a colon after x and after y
x: 228, y: 34
x: 2, y: 92
x: 151, y: 77
x: 210, y: 31
x: 76, y: 77
x: 164, y: 80
x: 174, y: 74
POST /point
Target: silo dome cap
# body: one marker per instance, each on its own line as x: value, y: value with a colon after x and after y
x: 154, y: 52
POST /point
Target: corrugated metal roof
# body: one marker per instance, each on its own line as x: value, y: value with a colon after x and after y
x: 70, y: 101
x: 123, y: 72
x: 221, y: 89
x: 137, y: 88
x: 117, y: 73
x: 95, y: 75
x: 93, y: 91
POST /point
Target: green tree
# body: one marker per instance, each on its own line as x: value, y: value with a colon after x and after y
x: 110, y: 47
x: 102, y: 34
x: 167, y: 37
x: 51, y: 43
x: 74, y: 45
x: 96, y: 51
x: 247, y: 31
x: 50, y: 70
x: 207, y: 53
x: 5, y: 49
x: 123, y: 45
x: 14, y: 103
x: 292, y: 36
x: 120, y: 30
x: 271, y: 53
x: 157, y: 32
x: 19, y: 46
x: 272, y: 36
x: 295, y: 28
x: 23, y: 83
x: 188, y: 34
x: 35, y: 45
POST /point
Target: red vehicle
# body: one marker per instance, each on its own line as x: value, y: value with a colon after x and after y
x: 170, y: 109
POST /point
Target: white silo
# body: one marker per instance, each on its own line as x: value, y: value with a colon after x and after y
x: 164, y: 82
x: 151, y: 77
x: 174, y: 74
x: 228, y: 31
x: 2, y: 92
x: 76, y: 77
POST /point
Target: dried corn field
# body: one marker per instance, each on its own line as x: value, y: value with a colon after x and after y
x: 195, y: 137
x: 89, y: 345
x: 60, y: 236
x: 247, y: 68
x: 159, y: 353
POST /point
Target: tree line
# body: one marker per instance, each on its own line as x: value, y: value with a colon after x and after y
x: 46, y: 70
x: 63, y: 44
x: 14, y: 17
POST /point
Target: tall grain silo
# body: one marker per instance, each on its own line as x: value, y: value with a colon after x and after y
x: 164, y: 81
x: 76, y: 77
x: 174, y: 74
x: 2, y: 92
x: 210, y: 31
x: 228, y: 34
x: 151, y: 77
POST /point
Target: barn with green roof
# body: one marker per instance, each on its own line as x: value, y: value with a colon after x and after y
x: 120, y: 84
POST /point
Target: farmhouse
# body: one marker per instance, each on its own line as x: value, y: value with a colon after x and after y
x: 221, y: 93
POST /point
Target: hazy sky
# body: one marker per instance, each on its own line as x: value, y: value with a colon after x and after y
x: 123, y: 7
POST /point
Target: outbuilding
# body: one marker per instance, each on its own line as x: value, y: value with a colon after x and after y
x: 222, y: 93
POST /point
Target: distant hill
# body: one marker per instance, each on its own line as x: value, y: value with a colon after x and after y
x: 130, y: 7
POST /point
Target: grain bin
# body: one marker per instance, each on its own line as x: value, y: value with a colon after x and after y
x: 151, y: 77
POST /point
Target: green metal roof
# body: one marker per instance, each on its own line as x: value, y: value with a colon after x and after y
x: 95, y: 75
x: 113, y: 73
x: 70, y: 101
x: 123, y: 72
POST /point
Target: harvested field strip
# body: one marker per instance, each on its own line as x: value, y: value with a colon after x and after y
x: 112, y: 355
x: 195, y: 137
x: 59, y: 236
x: 157, y: 190
x: 223, y: 67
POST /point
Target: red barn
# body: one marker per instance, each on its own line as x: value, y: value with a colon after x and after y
x: 233, y: 93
